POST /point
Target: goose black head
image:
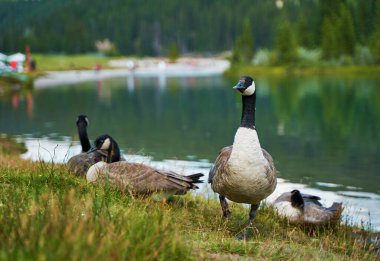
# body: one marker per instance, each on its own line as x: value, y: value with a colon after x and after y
x: 246, y: 86
x: 104, y: 142
x: 82, y: 120
x: 296, y: 199
x: 107, y: 146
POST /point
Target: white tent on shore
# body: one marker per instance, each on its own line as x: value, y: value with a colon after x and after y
x: 3, y: 57
x: 17, y: 57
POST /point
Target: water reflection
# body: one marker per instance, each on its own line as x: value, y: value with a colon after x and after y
x: 19, y: 97
x: 322, y: 132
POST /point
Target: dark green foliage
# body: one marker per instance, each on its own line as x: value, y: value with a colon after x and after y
x: 135, y: 27
x: 329, y: 39
x: 375, y: 38
x: 243, y: 49
x: 286, y: 44
x: 304, y: 35
x: 173, y: 52
x: 150, y: 27
x: 338, y: 34
x: 347, y: 33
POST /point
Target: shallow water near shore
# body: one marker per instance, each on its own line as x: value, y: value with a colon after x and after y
x: 323, y: 132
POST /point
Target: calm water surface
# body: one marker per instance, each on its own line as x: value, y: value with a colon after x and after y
x: 323, y: 132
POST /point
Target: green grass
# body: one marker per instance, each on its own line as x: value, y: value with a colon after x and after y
x: 351, y: 71
x: 70, y: 62
x: 48, y: 214
x: 9, y: 146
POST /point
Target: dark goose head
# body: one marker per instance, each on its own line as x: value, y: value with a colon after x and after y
x: 108, y: 147
x: 296, y: 199
x: 247, y: 88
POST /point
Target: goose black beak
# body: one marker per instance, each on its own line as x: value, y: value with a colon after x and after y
x: 239, y: 86
x: 92, y: 150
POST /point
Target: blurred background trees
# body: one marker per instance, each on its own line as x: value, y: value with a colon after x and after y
x: 305, y: 31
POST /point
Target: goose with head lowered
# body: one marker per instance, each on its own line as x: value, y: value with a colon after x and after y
x: 306, y: 209
x: 106, y: 149
x: 142, y: 180
x: 244, y: 172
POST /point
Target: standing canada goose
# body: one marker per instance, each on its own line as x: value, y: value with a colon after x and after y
x: 303, y: 208
x: 106, y: 149
x: 244, y: 172
x: 82, y: 123
x: 140, y: 179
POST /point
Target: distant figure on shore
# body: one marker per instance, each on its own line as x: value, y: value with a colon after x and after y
x: 33, y: 65
x: 98, y: 67
x: 131, y: 65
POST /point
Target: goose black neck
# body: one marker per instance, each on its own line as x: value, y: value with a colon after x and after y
x: 114, y: 153
x: 84, y: 141
x: 248, y: 114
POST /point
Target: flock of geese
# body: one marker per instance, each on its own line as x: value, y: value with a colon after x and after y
x: 243, y: 172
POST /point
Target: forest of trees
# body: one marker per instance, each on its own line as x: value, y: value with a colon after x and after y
x: 339, y: 28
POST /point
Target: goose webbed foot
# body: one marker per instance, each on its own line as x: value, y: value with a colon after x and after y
x: 243, y: 235
x: 224, y: 205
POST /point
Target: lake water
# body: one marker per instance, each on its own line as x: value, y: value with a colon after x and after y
x: 323, y: 132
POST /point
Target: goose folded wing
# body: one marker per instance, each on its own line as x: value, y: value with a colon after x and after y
x: 142, y: 179
x: 220, y: 162
x: 271, y: 169
x: 311, y: 198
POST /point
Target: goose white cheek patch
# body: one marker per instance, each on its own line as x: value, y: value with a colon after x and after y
x: 106, y: 144
x: 250, y: 90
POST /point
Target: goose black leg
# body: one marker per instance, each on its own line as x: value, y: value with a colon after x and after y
x: 244, y: 234
x: 224, y: 205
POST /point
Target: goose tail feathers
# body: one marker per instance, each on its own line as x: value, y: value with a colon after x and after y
x: 191, y: 180
x: 195, y: 178
x: 336, y: 208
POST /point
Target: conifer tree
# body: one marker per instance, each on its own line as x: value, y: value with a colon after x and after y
x: 329, y: 40
x: 347, y: 33
x: 375, y: 38
x: 173, y: 53
x: 243, y: 49
x: 286, y: 44
x: 303, y: 33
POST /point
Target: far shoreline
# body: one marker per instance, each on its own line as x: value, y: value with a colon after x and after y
x: 152, y: 67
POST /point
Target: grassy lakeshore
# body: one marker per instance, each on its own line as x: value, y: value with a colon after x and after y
x: 46, y: 213
x: 89, y: 61
x: 350, y: 71
x: 70, y: 62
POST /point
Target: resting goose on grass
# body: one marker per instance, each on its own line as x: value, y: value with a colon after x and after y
x: 244, y: 172
x: 109, y: 151
x: 140, y: 179
x: 303, y: 208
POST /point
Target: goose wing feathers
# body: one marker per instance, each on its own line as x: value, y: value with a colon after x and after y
x: 271, y: 170
x: 306, y: 197
x: 79, y: 164
x: 142, y: 179
x: 317, y: 214
x: 220, y: 163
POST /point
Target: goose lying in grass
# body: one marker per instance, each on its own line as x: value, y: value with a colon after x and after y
x: 303, y: 208
x: 244, y: 172
x: 140, y: 179
x: 110, y: 152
